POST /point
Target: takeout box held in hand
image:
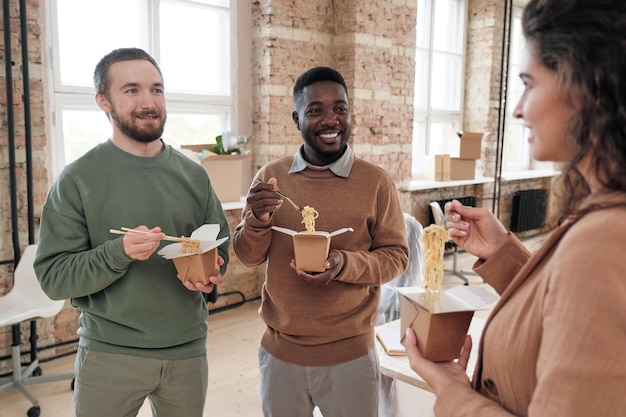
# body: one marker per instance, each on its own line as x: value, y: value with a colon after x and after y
x: 311, y: 249
x: 197, y: 267
x: 441, y: 333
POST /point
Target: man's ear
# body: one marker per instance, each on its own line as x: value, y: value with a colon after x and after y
x: 103, y: 103
x: 296, y: 119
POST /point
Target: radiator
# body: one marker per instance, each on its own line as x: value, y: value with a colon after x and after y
x: 529, y: 210
x: 466, y: 201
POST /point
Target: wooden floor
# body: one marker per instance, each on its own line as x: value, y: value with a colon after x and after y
x: 232, y: 346
x: 233, y: 372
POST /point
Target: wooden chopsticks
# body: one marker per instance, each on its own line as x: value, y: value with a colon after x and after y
x: 126, y: 230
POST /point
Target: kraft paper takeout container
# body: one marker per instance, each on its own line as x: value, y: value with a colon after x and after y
x: 197, y: 267
x: 311, y: 249
x: 440, y: 334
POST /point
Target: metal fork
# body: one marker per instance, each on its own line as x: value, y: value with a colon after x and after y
x: 289, y: 200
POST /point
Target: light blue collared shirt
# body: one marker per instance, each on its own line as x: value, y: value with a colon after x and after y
x: 341, y: 167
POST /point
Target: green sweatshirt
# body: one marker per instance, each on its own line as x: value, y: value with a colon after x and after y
x: 128, y: 306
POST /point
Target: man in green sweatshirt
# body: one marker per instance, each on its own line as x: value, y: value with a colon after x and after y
x: 142, y: 331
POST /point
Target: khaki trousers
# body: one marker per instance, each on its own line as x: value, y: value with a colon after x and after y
x: 113, y: 385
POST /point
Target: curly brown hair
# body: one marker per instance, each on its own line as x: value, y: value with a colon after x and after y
x: 584, y: 42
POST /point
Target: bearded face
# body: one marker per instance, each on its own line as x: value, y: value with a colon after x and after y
x: 135, y: 101
x: 143, y: 126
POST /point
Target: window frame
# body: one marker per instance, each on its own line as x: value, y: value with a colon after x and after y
x: 514, y: 89
x: 429, y: 116
x: 74, y: 97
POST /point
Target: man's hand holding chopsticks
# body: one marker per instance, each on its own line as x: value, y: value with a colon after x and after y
x: 141, y: 246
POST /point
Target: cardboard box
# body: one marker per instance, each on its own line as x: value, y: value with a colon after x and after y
x: 470, y: 146
x: 436, y: 167
x: 441, y: 333
x: 460, y: 169
x: 311, y: 249
x: 227, y: 172
x: 197, y: 267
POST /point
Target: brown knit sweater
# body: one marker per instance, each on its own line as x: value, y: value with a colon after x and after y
x: 321, y: 325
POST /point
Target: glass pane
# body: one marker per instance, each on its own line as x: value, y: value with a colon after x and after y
x: 419, y: 137
x: 516, y: 148
x: 422, y: 31
x: 221, y: 3
x: 445, y: 83
x: 192, y: 129
x: 442, y: 138
x: 515, y: 87
x: 86, y: 34
x: 82, y: 130
x: 517, y: 40
x: 196, y: 59
x: 421, y: 80
x: 448, y: 26
x: 516, y: 151
x: 419, y: 145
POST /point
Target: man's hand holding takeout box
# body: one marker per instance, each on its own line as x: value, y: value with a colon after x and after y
x: 213, y: 280
x: 199, y: 271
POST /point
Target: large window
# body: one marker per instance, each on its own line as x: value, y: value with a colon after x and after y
x: 439, y: 68
x: 516, y: 155
x: 191, y: 41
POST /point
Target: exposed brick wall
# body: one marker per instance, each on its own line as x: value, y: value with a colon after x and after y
x: 370, y: 41
x: 62, y: 326
x: 482, y: 80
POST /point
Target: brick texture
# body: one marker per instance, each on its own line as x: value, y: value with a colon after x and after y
x: 370, y: 41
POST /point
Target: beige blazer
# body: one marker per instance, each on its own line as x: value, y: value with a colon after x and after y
x: 555, y: 344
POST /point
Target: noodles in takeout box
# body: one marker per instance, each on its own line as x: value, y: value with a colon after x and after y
x: 195, y: 262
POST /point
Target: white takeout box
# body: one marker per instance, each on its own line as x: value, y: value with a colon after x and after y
x: 440, y: 334
x: 197, y: 267
x: 311, y: 249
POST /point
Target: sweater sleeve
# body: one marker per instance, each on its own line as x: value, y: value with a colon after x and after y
x: 388, y: 256
x: 252, y: 239
x: 460, y: 400
x: 504, y: 264
x: 64, y: 254
x: 583, y: 330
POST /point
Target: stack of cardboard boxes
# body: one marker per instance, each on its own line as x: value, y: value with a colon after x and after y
x: 447, y: 168
x: 229, y: 174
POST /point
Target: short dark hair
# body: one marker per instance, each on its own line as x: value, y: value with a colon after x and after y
x: 315, y: 75
x: 100, y: 76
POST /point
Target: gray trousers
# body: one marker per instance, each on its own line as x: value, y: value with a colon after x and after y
x: 109, y: 385
x: 348, y: 389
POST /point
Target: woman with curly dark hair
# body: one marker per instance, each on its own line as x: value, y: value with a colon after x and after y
x: 554, y: 343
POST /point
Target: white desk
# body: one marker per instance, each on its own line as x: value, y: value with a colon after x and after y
x: 405, y: 393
